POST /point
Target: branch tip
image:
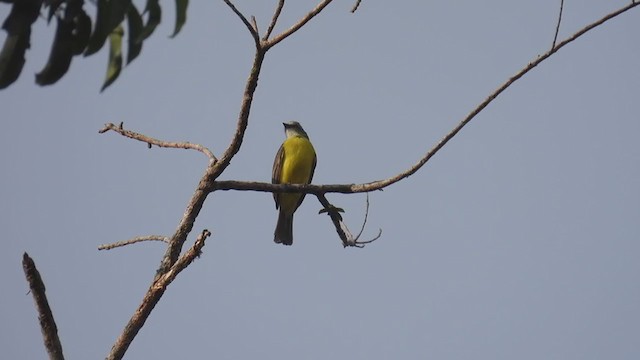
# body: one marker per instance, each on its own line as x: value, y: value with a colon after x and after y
x: 47, y: 322
x: 555, y: 37
x: 274, y: 20
x: 355, y: 6
x: 252, y: 30
x: 254, y: 23
x: 133, y: 241
x: 160, y: 143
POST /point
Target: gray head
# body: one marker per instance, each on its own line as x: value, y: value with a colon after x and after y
x: 293, y: 128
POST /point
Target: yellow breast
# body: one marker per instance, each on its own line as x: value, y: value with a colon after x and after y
x: 299, y: 157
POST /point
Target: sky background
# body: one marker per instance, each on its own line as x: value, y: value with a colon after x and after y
x: 520, y: 239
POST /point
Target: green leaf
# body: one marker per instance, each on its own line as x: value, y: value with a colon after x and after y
x: 134, y: 22
x: 53, y: 7
x: 60, y: 56
x: 82, y: 32
x: 18, y: 27
x: 101, y: 30
x: 155, y: 15
x: 12, y: 57
x: 181, y: 15
x: 110, y: 15
x: 115, y: 56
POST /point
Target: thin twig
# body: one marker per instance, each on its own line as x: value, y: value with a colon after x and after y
x: 555, y: 37
x: 151, y: 141
x: 47, y: 322
x: 361, y: 243
x: 366, y: 216
x: 274, y: 20
x: 276, y: 39
x: 133, y: 241
x: 254, y: 32
x: 151, y: 298
x: 355, y: 6
x: 254, y: 24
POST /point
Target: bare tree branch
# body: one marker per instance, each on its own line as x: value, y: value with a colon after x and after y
x: 133, y: 241
x: 252, y: 30
x: 276, y: 39
x: 555, y: 37
x: 151, y: 141
x: 153, y: 295
x: 214, y: 169
x: 380, y: 184
x: 47, y: 322
x: 274, y: 20
x: 172, y: 263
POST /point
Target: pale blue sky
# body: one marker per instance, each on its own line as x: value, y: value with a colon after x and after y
x: 519, y: 240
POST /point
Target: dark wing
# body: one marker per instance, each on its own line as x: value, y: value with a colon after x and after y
x: 277, y: 171
x: 313, y: 168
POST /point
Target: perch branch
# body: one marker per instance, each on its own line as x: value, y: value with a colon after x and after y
x: 47, y: 322
x: 380, y: 184
x: 133, y: 241
x: 555, y: 37
x: 153, y: 295
x: 276, y: 39
x: 159, y: 143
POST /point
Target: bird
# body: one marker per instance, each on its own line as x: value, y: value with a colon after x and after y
x: 295, y: 163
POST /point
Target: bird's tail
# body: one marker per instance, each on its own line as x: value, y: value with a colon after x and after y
x: 284, y: 229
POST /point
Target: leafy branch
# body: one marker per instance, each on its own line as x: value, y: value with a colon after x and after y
x: 75, y: 35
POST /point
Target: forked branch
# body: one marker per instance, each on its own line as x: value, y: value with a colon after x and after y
x: 295, y: 27
x: 348, y: 240
x: 153, y: 295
